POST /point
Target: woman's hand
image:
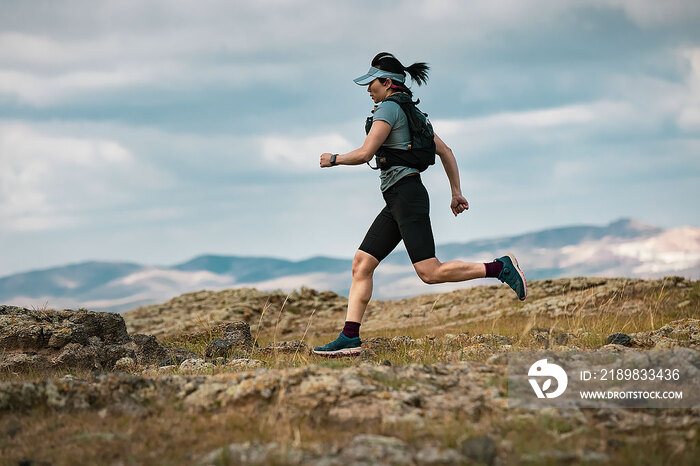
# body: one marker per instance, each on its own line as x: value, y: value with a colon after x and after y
x: 459, y: 204
x: 326, y: 160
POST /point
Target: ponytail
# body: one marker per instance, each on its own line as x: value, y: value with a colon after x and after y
x: 418, y: 72
x: 388, y: 62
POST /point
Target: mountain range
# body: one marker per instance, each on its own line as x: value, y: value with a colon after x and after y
x: 624, y: 248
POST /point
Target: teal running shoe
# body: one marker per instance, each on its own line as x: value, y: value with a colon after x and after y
x: 513, y: 276
x: 341, y: 346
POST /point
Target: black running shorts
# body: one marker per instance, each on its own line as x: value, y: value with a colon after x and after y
x: 406, y: 216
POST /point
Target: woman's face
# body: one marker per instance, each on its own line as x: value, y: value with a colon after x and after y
x: 378, y: 91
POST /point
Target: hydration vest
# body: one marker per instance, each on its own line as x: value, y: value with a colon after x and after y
x: 421, y: 151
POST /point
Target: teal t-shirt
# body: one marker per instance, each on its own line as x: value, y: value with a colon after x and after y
x: 399, y: 138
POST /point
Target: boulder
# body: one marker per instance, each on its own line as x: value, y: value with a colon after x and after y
x: 148, y: 350
x: 682, y: 332
x: 177, y: 355
x: 244, y: 363
x: 376, y: 449
x: 124, y: 365
x: 480, y: 449
x: 193, y: 366
x: 47, y: 339
x: 77, y: 356
x: 218, y: 347
x: 260, y: 454
x: 619, y: 339
x: 238, y: 334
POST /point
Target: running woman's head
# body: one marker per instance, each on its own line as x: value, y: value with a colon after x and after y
x: 387, y: 75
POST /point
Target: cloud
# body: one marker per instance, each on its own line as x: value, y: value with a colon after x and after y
x: 689, y: 115
x: 539, y: 118
x: 651, y: 13
x: 301, y: 153
x: 570, y: 169
x: 43, y: 90
x: 47, y: 181
x: 540, y: 126
x: 59, y: 51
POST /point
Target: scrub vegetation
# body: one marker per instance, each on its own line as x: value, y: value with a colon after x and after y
x: 429, y: 388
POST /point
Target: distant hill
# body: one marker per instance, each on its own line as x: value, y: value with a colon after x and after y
x: 625, y: 248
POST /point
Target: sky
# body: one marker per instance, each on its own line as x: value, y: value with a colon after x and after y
x: 153, y: 131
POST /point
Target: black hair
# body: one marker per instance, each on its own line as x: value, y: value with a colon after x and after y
x: 388, y: 62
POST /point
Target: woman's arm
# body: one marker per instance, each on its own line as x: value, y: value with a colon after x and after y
x: 377, y: 135
x: 458, y: 204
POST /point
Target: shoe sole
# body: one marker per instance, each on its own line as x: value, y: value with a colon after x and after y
x: 340, y: 352
x: 520, y: 272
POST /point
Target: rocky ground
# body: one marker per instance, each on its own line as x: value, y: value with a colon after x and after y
x: 564, y: 300
x: 230, y: 379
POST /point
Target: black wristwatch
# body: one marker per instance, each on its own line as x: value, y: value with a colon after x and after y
x: 333, y: 159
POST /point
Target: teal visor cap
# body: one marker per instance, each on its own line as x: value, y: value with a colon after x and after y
x: 375, y: 73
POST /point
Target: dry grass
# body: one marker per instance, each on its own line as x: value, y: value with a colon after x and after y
x: 174, y: 435
x: 624, y: 310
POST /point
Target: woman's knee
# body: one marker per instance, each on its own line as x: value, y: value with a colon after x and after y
x: 428, y: 277
x: 427, y: 271
x: 363, y: 264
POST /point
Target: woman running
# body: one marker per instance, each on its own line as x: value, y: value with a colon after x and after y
x: 406, y: 214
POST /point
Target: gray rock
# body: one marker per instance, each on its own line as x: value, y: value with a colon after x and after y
x: 286, y: 347
x: 109, y: 326
x: 148, y: 350
x: 491, y: 339
x: 619, y: 339
x: 238, y: 334
x: 548, y: 337
x: 177, y: 355
x: 614, y: 347
x: 665, y: 343
x: 565, y: 457
x: 195, y: 366
x: 377, y: 449
x: 15, y: 362
x: 218, y: 347
x: 541, y: 335
x: 561, y: 339
x: 437, y: 457
x: 244, y: 363
x: 75, y: 339
x: 478, y: 350
x: 70, y: 334
x: 18, y: 332
x: 402, y: 340
x: 107, y: 355
x: 481, y: 449
x: 76, y: 356
x: 124, y: 365
x: 254, y: 454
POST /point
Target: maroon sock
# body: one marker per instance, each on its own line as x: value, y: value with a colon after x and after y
x: 351, y: 329
x: 493, y: 269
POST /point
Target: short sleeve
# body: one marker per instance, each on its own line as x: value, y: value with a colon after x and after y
x: 387, y: 111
